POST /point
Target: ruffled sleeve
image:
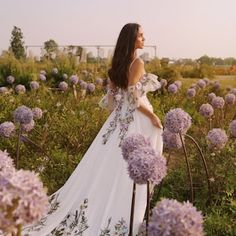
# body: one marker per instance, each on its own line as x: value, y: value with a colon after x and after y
x: 150, y: 83
x: 107, y: 101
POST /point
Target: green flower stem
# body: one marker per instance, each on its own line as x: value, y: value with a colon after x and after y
x: 18, y: 146
x: 132, y: 210
x: 188, y: 167
x: 204, y: 163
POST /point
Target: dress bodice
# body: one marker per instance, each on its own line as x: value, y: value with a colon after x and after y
x: 126, y: 101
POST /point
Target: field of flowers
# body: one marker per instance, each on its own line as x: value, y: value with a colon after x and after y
x: 50, y: 115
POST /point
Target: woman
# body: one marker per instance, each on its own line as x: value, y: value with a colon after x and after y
x: 96, y: 199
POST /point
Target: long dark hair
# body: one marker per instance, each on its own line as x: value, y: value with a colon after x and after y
x: 123, y: 55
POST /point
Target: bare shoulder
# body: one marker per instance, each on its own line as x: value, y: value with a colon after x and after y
x: 136, y: 71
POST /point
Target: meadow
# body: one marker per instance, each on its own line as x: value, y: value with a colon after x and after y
x: 68, y: 94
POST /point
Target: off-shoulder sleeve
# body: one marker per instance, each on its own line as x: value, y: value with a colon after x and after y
x: 107, y: 101
x: 150, y: 83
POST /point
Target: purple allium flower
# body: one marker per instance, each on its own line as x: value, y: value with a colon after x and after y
x: 42, y: 77
x: 201, y: 83
x: 33, y: 200
x: 232, y: 128
x: 217, y: 138
x: 206, y: 110
x: 10, y: 79
x: 172, y: 88
x: 3, y: 90
x: 63, y: 86
x: 230, y: 99
x: 145, y: 165
x: 211, y: 96
x: 6, y: 165
x: 28, y: 127
x: 65, y: 76
x: 133, y: 142
x: 216, y: 85
x: 170, y: 217
x: 99, y: 81
x: 20, y: 89
x: 7, y: 129
x: 178, y: 83
x: 74, y: 79
x: 43, y: 72
x: 163, y: 83
x: 34, y: 85
x: 55, y: 71
x: 218, y: 102
x: 207, y: 81
x: 23, y: 115
x: 191, y: 92
x: 171, y: 140
x: 90, y: 87
x: 83, y: 85
x: 37, y: 113
x: 233, y: 90
x: 178, y: 121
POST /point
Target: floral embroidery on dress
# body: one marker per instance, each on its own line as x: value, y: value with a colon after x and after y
x: 148, y: 82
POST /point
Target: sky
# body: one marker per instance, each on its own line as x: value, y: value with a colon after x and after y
x: 178, y: 28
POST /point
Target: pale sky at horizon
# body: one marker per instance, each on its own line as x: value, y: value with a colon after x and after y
x: 179, y: 28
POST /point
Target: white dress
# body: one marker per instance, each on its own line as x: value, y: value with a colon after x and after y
x: 96, y: 199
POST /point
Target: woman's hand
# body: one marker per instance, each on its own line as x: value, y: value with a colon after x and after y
x: 156, y: 121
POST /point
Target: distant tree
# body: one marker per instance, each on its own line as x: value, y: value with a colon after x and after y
x: 51, y: 48
x: 205, y: 60
x: 17, y: 43
x: 230, y: 61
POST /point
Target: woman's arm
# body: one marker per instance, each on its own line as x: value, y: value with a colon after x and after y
x: 136, y: 71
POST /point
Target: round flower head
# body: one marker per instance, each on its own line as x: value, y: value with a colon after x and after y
x: 206, y: 80
x: 233, y: 90
x: 99, y: 81
x: 191, y: 92
x: 178, y: 83
x: 171, y: 140
x: 206, y: 110
x: 28, y: 127
x: 91, y: 87
x: 163, y: 83
x: 63, y: 86
x: 43, y: 72
x: 6, y: 164
x: 178, y: 121
x: 216, y: 85
x: 211, y: 96
x: 217, y: 138
x: 7, y: 129
x: 10, y: 79
x: 230, y: 99
x: 3, y: 90
x: 65, y: 76
x: 170, y: 217
x: 218, y: 102
x: 34, y: 85
x: 33, y: 200
x: 37, y: 113
x: 232, y: 128
x: 55, y: 71
x: 172, y: 88
x: 23, y: 115
x: 201, y: 83
x: 83, y: 85
x: 133, y: 142
x: 42, y: 77
x: 144, y: 165
x: 20, y: 89
x: 74, y: 79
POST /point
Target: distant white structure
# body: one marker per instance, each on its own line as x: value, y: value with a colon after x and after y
x: 145, y: 57
x: 83, y: 55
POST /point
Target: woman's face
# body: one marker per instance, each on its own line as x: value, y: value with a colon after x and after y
x: 139, y: 43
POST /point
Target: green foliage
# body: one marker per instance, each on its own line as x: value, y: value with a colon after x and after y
x: 51, y: 48
x: 17, y: 43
